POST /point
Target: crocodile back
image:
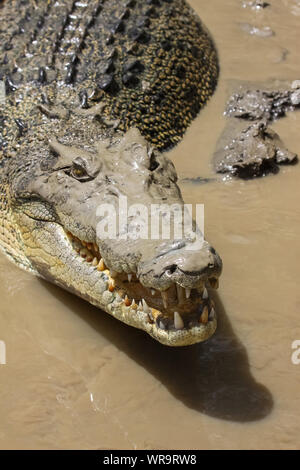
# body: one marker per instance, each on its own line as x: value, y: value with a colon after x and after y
x: 150, y: 62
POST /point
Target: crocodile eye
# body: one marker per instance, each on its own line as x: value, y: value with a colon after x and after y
x: 79, y: 172
x: 83, y: 169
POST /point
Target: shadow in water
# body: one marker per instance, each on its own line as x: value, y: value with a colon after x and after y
x: 212, y: 377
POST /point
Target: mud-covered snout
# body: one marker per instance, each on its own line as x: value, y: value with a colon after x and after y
x: 188, y: 265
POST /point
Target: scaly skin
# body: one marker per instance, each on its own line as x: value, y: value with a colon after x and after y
x: 150, y: 62
x: 62, y: 158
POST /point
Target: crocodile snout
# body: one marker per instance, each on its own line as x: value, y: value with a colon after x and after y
x: 189, y: 266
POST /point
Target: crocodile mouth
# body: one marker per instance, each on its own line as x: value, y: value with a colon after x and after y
x: 172, y: 310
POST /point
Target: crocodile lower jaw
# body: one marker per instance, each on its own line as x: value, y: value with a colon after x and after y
x: 190, y: 320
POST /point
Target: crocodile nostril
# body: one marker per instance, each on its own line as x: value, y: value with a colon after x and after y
x: 170, y: 269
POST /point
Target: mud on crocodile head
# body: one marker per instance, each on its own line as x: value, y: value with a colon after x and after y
x: 54, y: 191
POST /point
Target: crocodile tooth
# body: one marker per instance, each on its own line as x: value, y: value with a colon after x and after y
x: 83, y: 252
x: 180, y: 294
x: 95, y: 247
x: 127, y: 301
x: 140, y: 305
x: 95, y: 261
x: 178, y: 322
x: 111, y: 286
x: 145, y: 306
x: 76, y: 246
x: 204, y: 315
x: 164, y: 296
x: 205, y: 294
x: 187, y: 293
x: 152, y: 291
x: 113, y: 273
x: 133, y: 304
x: 129, y: 277
x: 212, y: 314
x: 214, y: 283
x: 162, y: 326
x: 101, y: 265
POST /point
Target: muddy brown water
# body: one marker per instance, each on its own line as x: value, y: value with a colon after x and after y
x: 76, y: 378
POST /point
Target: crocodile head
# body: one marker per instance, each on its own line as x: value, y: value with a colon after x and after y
x: 66, y: 192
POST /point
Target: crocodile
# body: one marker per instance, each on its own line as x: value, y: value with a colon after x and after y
x: 92, y: 93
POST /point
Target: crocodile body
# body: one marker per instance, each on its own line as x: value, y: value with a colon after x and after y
x: 91, y: 91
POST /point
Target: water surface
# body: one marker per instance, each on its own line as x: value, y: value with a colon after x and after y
x: 76, y: 378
